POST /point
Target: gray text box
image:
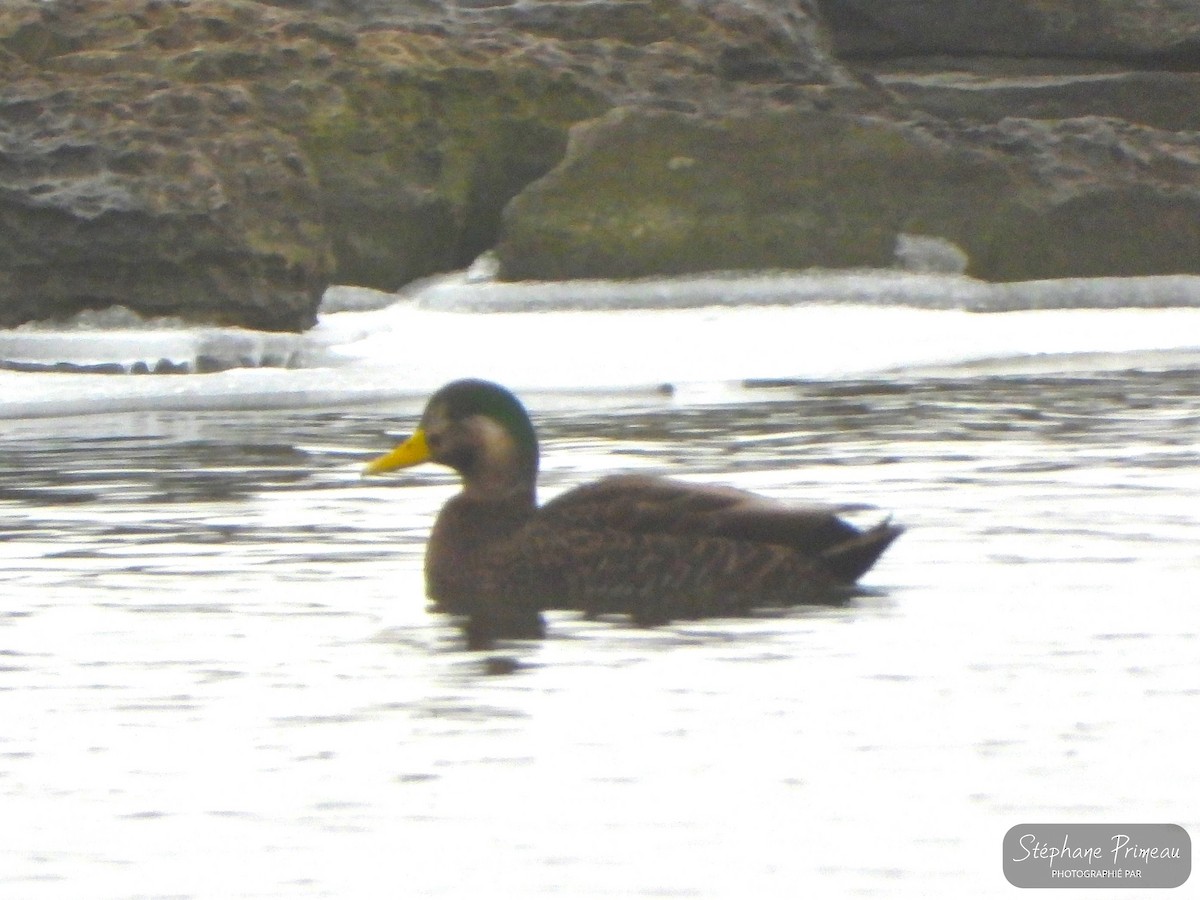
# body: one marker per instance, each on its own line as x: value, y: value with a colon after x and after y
x: 1090, y: 855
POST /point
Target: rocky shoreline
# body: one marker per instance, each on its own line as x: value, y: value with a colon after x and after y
x: 225, y: 160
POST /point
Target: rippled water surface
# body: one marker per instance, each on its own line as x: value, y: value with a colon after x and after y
x: 217, y: 677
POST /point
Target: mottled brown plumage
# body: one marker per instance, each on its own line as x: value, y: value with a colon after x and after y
x: 654, y: 548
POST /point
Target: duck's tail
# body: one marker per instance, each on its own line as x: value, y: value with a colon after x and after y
x: 849, y: 560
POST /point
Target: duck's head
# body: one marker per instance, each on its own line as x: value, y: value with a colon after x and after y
x: 477, y: 428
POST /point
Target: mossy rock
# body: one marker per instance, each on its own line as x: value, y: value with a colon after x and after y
x: 417, y: 160
x: 652, y: 193
x: 226, y: 160
x: 643, y: 194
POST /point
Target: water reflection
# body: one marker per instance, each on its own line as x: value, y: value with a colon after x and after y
x: 213, y: 646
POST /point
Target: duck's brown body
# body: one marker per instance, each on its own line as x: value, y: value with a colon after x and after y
x: 653, y: 548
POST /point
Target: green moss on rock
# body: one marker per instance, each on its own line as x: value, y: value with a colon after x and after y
x: 419, y: 159
x: 651, y: 193
x: 655, y: 193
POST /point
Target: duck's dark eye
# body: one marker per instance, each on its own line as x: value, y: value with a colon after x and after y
x: 433, y: 442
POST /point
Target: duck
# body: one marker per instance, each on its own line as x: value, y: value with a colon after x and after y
x: 652, y: 548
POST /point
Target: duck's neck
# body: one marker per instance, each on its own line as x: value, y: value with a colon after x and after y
x: 498, y: 467
x: 501, y: 488
x: 469, y: 527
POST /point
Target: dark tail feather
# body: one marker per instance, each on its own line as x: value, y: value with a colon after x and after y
x: 849, y: 560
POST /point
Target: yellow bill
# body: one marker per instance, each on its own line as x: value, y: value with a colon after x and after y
x: 412, y: 452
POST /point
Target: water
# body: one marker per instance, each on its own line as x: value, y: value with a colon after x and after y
x: 218, y: 679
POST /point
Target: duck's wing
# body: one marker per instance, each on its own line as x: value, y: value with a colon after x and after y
x: 650, y: 505
x: 661, y: 549
x: 657, y: 576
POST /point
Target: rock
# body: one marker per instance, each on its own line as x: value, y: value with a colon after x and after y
x: 991, y: 90
x: 1107, y: 185
x: 627, y: 48
x: 452, y: 109
x: 158, y: 197
x: 417, y: 156
x: 226, y: 160
x: 123, y: 184
x: 739, y: 40
x: 644, y: 193
x: 1162, y: 33
x: 1108, y: 198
